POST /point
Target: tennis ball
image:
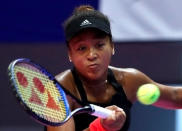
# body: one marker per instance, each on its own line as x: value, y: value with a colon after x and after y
x: 148, y: 94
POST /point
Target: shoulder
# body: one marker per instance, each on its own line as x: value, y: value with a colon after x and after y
x: 66, y: 79
x: 122, y: 73
x: 127, y: 74
x: 130, y: 79
x: 63, y: 75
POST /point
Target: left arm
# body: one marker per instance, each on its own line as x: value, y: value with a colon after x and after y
x: 170, y: 96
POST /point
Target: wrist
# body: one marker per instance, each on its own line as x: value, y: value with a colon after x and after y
x: 105, y: 126
x: 97, y: 126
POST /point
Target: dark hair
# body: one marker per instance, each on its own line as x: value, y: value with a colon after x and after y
x: 85, y: 16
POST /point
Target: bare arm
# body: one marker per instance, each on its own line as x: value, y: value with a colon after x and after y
x: 170, y: 98
x: 64, y: 79
x: 68, y: 126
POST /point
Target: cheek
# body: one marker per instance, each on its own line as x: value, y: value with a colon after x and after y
x: 78, y: 61
x: 106, y: 57
x: 75, y: 58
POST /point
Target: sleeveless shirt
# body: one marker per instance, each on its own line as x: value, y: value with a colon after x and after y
x: 119, y: 99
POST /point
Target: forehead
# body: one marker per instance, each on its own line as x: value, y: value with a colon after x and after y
x: 89, y: 33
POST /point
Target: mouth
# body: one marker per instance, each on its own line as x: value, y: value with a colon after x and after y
x: 93, y: 66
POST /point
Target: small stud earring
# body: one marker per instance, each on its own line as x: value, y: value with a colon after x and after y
x: 69, y: 58
x: 113, y: 52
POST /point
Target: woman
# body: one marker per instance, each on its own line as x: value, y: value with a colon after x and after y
x: 92, y: 80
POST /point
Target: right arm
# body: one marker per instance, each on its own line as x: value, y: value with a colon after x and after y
x: 66, y: 80
x: 68, y: 126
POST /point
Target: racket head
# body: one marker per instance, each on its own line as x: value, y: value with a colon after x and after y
x: 41, y: 96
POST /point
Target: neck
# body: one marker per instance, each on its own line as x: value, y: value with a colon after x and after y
x: 95, y: 85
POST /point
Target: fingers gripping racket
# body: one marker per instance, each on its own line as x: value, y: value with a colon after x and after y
x: 43, y: 97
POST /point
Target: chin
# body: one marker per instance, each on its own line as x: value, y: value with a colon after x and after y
x: 95, y: 76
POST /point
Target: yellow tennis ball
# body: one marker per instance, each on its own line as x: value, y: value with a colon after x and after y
x: 148, y: 94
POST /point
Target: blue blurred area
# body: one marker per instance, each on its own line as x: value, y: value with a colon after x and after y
x: 36, y: 20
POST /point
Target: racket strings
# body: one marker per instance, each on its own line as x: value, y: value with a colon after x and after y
x: 42, y: 97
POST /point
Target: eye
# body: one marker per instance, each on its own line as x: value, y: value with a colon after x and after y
x: 100, y: 45
x: 81, y: 48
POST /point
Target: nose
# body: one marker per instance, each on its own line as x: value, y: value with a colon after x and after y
x: 92, y: 54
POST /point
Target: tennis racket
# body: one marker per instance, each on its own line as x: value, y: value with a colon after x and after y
x: 43, y: 97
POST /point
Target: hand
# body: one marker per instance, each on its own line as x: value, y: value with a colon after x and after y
x: 116, y: 120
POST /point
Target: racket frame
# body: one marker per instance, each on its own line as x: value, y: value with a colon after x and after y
x: 21, y: 101
x: 86, y: 108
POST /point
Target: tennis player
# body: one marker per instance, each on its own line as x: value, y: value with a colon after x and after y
x: 92, y: 80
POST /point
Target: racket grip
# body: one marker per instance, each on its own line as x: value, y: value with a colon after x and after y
x: 100, y: 111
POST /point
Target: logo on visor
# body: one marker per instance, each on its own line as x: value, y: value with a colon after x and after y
x: 85, y: 22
